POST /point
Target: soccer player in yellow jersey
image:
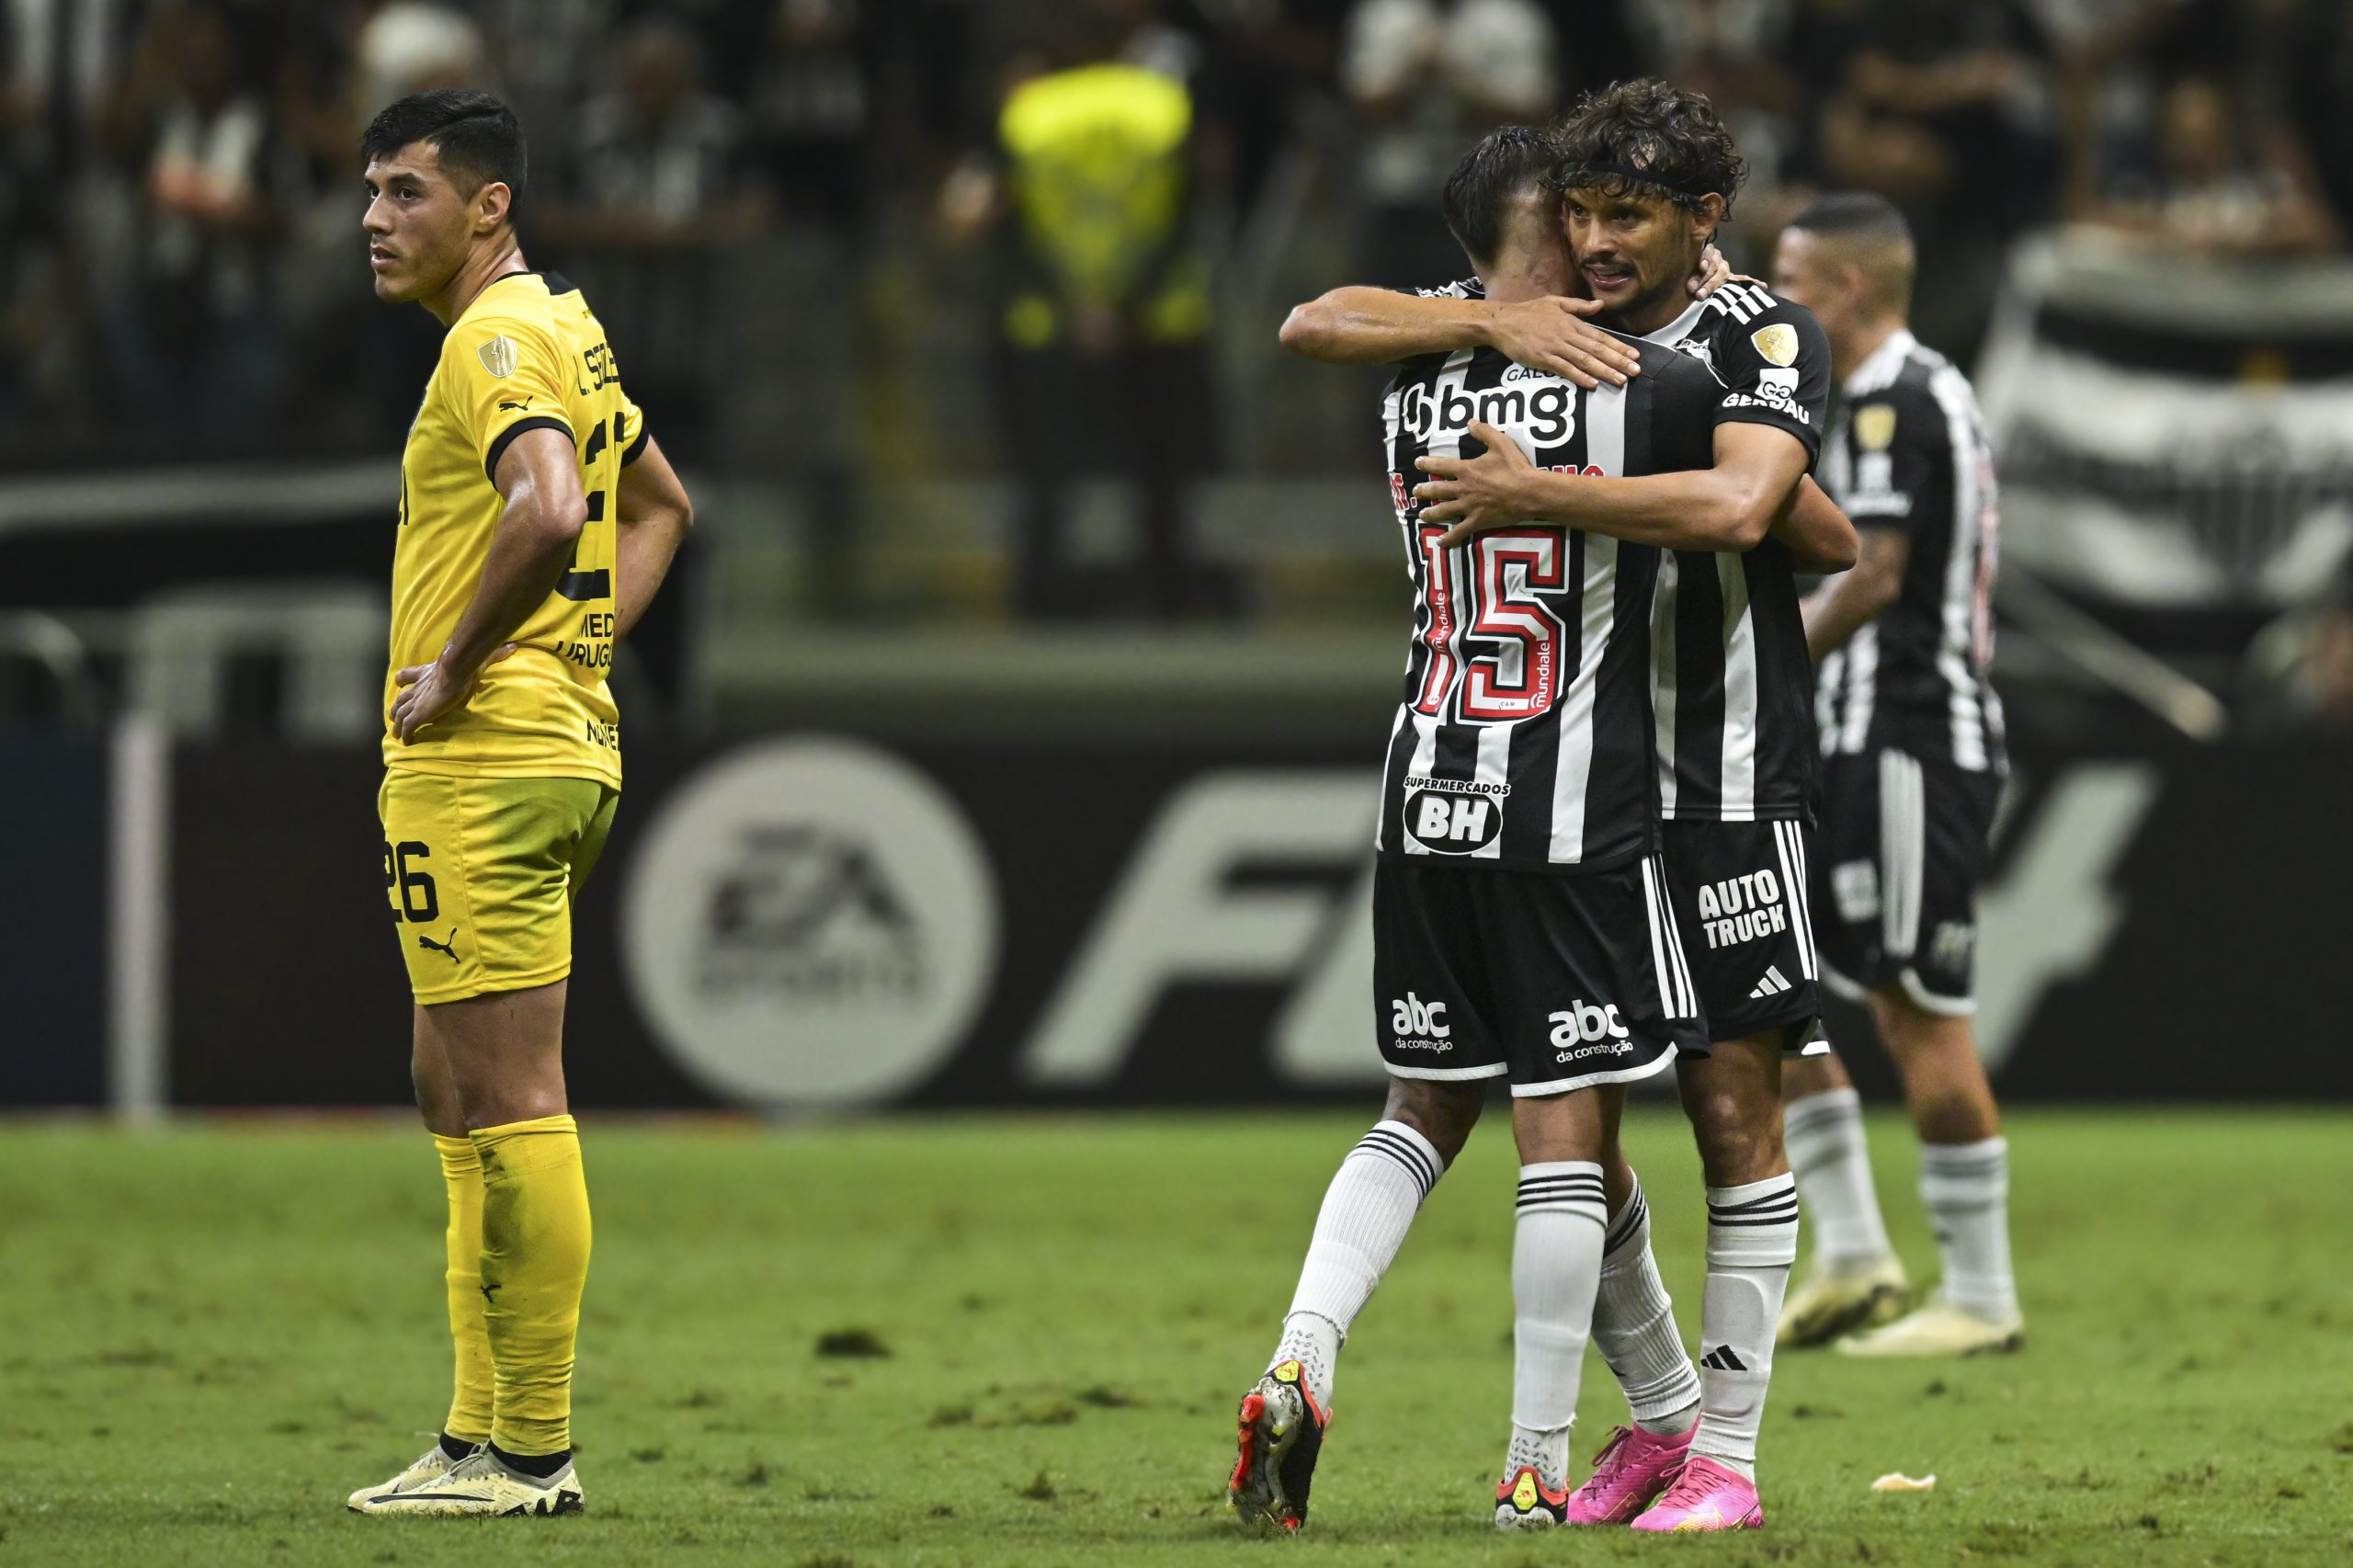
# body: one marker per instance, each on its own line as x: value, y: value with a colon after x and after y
x: 538, y: 519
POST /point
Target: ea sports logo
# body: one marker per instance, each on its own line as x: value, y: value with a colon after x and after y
x: 1410, y: 1017
x: 810, y: 921
x: 1583, y: 1023
x: 1452, y: 825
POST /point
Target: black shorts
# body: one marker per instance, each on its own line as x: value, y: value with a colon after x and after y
x: 1559, y: 982
x: 1903, y: 846
x: 1740, y: 900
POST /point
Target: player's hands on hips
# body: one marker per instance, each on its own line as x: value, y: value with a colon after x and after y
x: 428, y: 691
x: 1551, y: 334
x: 1475, y: 493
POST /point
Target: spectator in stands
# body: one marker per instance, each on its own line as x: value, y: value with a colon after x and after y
x: 1427, y: 79
x: 813, y: 110
x: 2218, y: 183
x: 1945, y: 108
x: 1102, y: 296
x: 2319, y: 71
x: 659, y: 183
x: 411, y: 46
x: 195, y: 345
x: 1731, y: 50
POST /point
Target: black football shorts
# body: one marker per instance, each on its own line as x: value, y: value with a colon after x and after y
x: 1558, y: 982
x: 1740, y: 895
x: 1903, y: 846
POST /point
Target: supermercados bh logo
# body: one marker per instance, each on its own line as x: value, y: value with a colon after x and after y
x: 1453, y: 817
x: 810, y: 921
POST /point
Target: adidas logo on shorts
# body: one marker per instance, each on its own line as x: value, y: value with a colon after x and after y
x: 1773, y: 985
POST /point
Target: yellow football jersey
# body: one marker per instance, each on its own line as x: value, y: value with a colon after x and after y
x: 526, y: 354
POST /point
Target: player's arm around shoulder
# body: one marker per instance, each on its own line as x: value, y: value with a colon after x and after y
x: 1361, y: 326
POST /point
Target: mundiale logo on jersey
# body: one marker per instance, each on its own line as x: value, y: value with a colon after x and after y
x: 1453, y: 817
x: 1534, y: 408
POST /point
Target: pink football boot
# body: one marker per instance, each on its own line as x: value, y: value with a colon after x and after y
x: 1631, y: 1469
x: 1706, y: 1496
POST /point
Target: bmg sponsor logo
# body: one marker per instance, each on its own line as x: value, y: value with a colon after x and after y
x: 1534, y: 413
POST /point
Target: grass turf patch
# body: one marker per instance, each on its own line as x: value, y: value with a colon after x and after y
x: 1019, y: 1342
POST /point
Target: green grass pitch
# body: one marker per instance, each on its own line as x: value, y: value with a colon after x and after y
x: 208, y: 1335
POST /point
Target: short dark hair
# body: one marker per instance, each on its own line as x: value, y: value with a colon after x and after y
x: 1875, y: 237
x: 1646, y: 136
x: 478, y: 137
x: 1847, y: 212
x: 1508, y: 160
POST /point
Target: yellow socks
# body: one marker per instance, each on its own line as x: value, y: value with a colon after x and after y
x: 469, y: 1407
x: 534, y: 1262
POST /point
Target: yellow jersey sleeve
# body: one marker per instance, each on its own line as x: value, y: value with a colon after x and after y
x: 505, y: 375
x: 635, y: 431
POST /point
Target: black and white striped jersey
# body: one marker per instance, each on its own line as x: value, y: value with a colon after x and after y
x: 1731, y: 680
x: 1523, y: 740
x: 1909, y: 452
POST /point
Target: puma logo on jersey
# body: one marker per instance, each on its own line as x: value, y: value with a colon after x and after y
x: 449, y: 948
x: 517, y: 407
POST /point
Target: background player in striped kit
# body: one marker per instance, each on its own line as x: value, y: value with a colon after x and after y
x: 1648, y: 173
x: 1519, y: 926
x: 1913, y: 769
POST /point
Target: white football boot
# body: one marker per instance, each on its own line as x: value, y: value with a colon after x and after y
x: 478, y: 1486
x: 1830, y: 1302
x: 429, y: 1466
x: 1940, y: 1328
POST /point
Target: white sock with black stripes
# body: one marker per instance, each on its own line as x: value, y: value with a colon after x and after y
x: 1367, y: 1211
x: 1824, y: 1134
x: 1634, y: 1327
x: 1752, y: 1242
x: 1967, y: 1189
x: 1555, y: 1272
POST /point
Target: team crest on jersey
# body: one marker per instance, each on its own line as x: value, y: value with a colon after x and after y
x: 1875, y: 428
x: 498, y: 356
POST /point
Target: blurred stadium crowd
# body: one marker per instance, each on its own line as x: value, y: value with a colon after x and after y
x: 821, y: 180
x: 915, y: 278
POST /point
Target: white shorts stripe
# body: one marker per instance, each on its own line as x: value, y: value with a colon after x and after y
x: 1791, y: 839
x: 1903, y: 831
x: 1676, y: 959
x: 1659, y: 968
